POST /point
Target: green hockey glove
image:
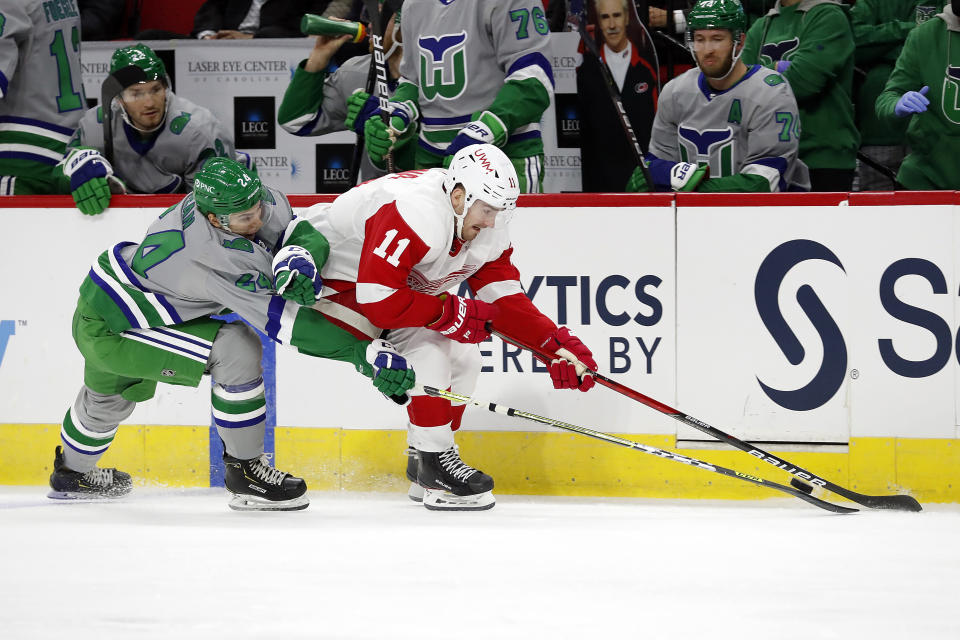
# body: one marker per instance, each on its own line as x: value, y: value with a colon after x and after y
x: 296, y: 277
x: 392, y: 374
x: 88, y: 172
x: 360, y: 106
x: 639, y: 182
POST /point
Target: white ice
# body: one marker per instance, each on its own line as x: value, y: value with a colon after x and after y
x: 179, y: 564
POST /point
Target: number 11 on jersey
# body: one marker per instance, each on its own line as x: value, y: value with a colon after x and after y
x: 393, y: 258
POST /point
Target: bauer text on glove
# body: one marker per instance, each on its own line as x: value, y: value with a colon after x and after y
x: 88, y: 171
x: 463, y: 319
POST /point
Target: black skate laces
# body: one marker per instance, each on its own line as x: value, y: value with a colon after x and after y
x: 452, y: 464
x: 262, y: 469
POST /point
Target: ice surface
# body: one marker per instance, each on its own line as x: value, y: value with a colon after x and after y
x: 179, y: 564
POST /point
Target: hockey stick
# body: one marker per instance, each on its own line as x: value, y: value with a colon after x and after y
x: 380, y: 64
x: 606, y: 437
x: 880, y: 168
x: 577, y: 13
x: 803, y: 478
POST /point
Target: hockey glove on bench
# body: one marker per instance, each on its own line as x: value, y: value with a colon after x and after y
x: 88, y: 171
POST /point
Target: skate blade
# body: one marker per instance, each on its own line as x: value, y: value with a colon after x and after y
x: 415, y: 492
x: 439, y: 500
x: 253, y: 503
x: 83, y: 497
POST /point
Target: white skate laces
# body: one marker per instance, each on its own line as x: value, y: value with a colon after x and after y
x: 262, y: 469
x: 452, y: 464
x: 98, y: 477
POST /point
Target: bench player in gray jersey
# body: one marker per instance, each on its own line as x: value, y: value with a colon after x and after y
x: 41, y: 92
x: 478, y: 73
x: 159, y: 140
x: 724, y: 126
x: 318, y: 102
x: 144, y: 316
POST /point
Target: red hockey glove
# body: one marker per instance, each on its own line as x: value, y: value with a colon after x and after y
x: 463, y: 319
x: 570, y: 369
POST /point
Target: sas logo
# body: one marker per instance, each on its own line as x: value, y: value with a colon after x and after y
x: 254, y: 122
x: 833, y: 367
x: 7, y: 329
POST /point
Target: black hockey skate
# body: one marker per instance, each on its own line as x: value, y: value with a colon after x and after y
x: 415, y: 492
x: 256, y: 486
x: 452, y: 485
x: 67, y: 484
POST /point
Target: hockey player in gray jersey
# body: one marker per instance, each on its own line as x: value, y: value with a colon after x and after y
x: 144, y: 317
x: 41, y: 92
x: 478, y: 73
x: 724, y: 126
x: 318, y: 102
x: 159, y: 140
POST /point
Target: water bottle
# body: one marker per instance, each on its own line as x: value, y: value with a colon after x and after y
x: 314, y: 25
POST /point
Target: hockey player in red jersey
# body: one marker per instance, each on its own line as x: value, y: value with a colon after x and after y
x: 400, y: 245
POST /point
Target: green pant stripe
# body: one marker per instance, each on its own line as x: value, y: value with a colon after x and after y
x: 242, y: 406
x: 71, y: 433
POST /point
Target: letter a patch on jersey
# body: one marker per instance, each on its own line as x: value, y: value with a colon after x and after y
x: 443, y: 66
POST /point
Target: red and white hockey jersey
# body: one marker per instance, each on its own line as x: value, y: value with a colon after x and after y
x: 393, y: 252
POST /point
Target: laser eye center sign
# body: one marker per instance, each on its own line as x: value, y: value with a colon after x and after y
x: 243, y: 82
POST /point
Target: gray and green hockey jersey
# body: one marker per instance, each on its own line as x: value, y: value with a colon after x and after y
x: 316, y: 104
x: 185, y: 268
x: 748, y: 134
x: 463, y: 58
x: 41, y: 90
x: 165, y: 161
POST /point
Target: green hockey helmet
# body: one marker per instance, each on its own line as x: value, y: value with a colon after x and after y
x: 717, y: 14
x: 224, y: 186
x: 143, y: 57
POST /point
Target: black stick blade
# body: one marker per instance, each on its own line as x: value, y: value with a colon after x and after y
x: 892, y: 503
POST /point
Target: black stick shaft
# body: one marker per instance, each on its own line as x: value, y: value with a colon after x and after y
x: 895, y: 502
x: 606, y: 437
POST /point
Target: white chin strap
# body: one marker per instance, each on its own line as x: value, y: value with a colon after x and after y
x: 458, y: 218
x: 396, y: 45
x: 733, y: 61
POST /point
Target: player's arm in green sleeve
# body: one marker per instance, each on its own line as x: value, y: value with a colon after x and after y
x: 303, y: 97
x: 739, y: 183
x: 826, y: 46
x: 316, y: 336
x: 303, y: 234
x: 905, y: 77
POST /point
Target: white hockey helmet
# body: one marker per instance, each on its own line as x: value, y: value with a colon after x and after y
x: 485, y: 173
